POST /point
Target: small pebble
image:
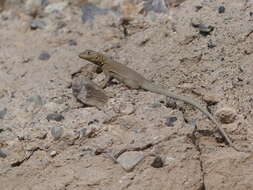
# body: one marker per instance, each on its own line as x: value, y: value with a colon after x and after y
x: 210, y: 44
x: 157, y: 163
x: 53, y: 153
x: 2, y: 154
x: 211, y: 99
x: 93, y: 121
x: 198, y: 7
x: 57, y: 132
x: 171, y: 103
x: 55, y: 7
x: 170, y: 121
x: 55, y: 117
x: 82, y: 132
x: 221, y: 9
x: 99, y: 151
x: 168, y: 161
x: 26, y: 59
x: 226, y: 115
x: 37, y: 24
x: 3, y: 113
x: 195, y: 22
x: 44, y: 56
x: 205, y: 29
x: 72, y: 42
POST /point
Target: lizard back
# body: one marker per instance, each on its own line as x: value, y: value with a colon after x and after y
x: 122, y: 72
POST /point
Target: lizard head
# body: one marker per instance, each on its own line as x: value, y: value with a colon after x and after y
x: 92, y: 56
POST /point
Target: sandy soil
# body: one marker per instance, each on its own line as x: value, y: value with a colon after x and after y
x: 164, y: 48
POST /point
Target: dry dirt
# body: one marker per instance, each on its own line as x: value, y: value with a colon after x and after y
x: 166, y: 49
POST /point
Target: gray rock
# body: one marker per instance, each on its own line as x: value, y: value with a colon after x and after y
x: 54, y: 7
x: 55, y: 116
x: 3, y: 112
x: 211, y: 99
x: 221, y: 9
x: 2, y: 154
x: 205, y: 29
x: 88, y: 92
x: 37, y: 24
x: 44, y: 56
x: 57, y: 132
x: 130, y: 159
x: 36, y: 100
x: 170, y: 121
x: 72, y: 43
x: 211, y: 44
x: 33, y: 105
x: 195, y: 22
x: 82, y: 132
x: 171, y: 103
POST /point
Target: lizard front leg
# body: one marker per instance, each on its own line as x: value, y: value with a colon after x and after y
x: 106, y: 80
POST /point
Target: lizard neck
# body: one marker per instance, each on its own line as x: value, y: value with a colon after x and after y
x: 106, y: 60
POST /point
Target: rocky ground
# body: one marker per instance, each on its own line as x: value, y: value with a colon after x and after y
x: 200, y: 49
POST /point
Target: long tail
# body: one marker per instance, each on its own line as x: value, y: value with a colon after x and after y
x: 160, y: 90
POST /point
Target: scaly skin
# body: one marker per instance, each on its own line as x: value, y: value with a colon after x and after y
x: 134, y: 80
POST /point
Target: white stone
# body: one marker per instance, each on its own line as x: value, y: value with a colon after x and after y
x: 130, y: 159
x: 55, y: 7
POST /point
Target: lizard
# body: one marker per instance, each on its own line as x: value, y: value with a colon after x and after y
x: 133, y: 80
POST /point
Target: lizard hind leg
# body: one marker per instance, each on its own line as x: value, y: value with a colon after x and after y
x: 133, y: 84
